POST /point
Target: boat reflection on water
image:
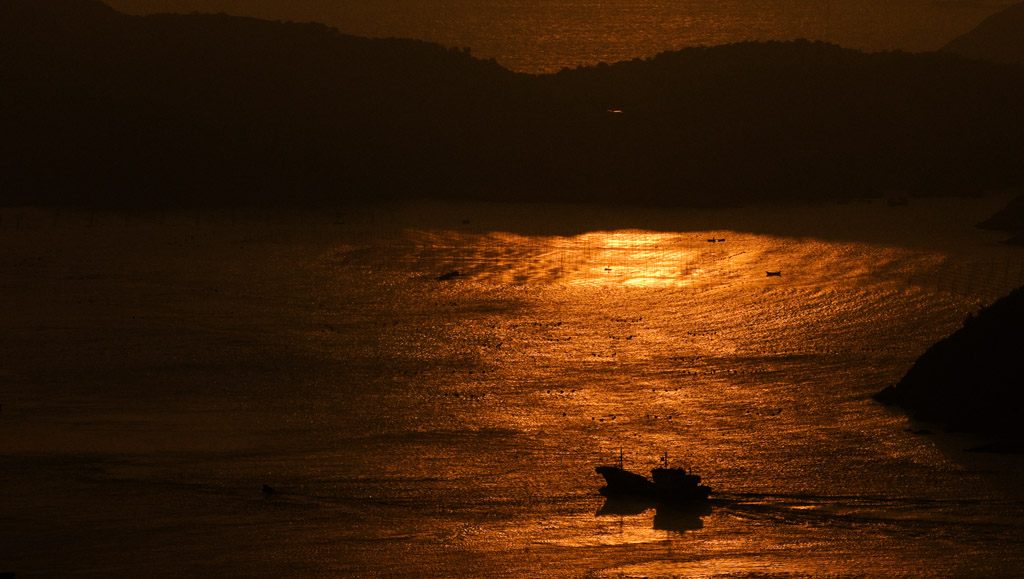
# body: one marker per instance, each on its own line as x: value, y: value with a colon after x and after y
x: 676, y: 495
x: 678, y: 518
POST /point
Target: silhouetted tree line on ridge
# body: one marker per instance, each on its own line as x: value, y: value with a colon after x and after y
x: 103, y: 108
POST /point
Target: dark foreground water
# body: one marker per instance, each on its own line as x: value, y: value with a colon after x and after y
x: 159, y: 369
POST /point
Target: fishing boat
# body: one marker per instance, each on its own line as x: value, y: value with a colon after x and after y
x: 667, y: 484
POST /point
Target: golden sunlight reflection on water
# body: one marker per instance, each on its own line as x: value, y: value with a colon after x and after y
x: 417, y: 424
x: 698, y: 261
x: 718, y: 567
x: 522, y: 360
x: 620, y: 258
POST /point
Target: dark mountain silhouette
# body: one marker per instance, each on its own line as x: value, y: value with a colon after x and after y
x: 103, y: 108
x: 999, y: 38
x: 109, y: 107
x: 1009, y: 218
x: 972, y: 380
x: 802, y: 120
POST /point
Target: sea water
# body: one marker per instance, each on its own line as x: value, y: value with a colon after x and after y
x: 160, y: 369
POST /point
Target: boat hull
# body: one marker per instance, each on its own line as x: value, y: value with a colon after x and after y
x: 622, y: 483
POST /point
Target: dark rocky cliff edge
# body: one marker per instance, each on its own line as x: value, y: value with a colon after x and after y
x: 973, y: 380
x: 1009, y: 218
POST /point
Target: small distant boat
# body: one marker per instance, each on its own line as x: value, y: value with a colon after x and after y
x: 671, y: 485
x: 449, y: 275
x: 774, y: 273
x: 712, y: 240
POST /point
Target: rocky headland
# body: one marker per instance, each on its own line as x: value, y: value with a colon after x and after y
x: 972, y: 381
x: 999, y: 38
x: 1009, y: 219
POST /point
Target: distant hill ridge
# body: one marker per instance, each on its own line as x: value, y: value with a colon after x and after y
x: 102, y: 108
x: 112, y: 108
x: 999, y: 38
